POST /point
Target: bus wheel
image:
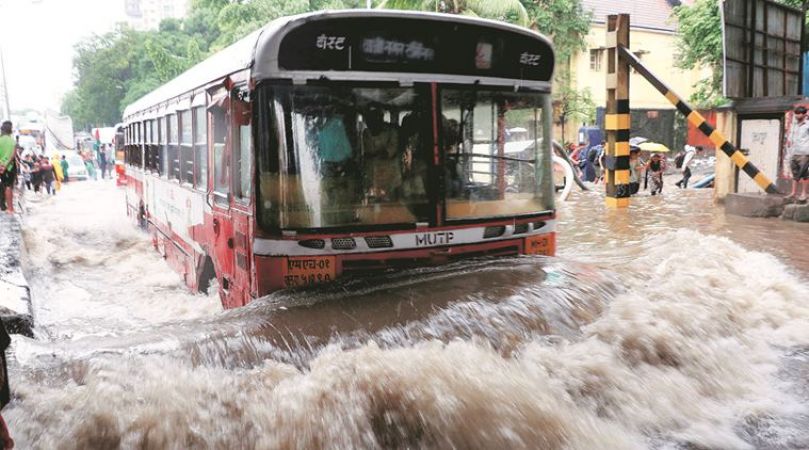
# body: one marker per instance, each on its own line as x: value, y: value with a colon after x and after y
x: 207, y: 273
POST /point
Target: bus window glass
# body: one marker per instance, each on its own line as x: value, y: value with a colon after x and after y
x: 201, y: 148
x: 164, y: 146
x: 495, y: 163
x: 242, y: 149
x: 221, y: 161
x: 174, y: 148
x: 354, y: 156
x: 155, y: 146
x: 186, y: 147
x: 147, y: 156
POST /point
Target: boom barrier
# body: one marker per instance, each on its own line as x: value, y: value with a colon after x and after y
x: 698, y: 121
x: 617, y: 122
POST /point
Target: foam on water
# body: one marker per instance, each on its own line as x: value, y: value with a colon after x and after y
x: 93, y: 273
x: 684, y: 340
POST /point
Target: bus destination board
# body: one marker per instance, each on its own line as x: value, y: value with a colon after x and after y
x: 386, y: 44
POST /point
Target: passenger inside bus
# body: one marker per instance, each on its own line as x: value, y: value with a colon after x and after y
x: 415, y: 158
x: 454, y: 162
x: 382, y: 166
x: 337, y: 168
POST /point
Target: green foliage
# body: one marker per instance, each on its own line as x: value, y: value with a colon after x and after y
x: 563, y: 20
x: 574, y: 104
x: 115, y: 69
x: 505, y: 10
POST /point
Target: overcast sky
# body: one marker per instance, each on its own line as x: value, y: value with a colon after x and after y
x: 37, y: 38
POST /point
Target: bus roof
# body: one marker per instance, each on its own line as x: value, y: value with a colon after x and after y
x: 407, y: 52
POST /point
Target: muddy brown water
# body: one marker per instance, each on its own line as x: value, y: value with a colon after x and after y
x: 669, y: 325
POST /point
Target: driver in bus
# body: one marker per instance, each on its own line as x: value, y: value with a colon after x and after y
x: 453, y: 161
x: 382, y: 166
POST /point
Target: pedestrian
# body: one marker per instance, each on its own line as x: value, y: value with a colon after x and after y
x: 102, y: 160
x: 65, y: 166
x: 590, y: 169
x: 5, y: 392
x: 36, y: 174
x: 798, y: 154
x: 602, y: 153
x: 48, y: 175
x: 654, y: 168
x: 688, y: 160
x: 26, y: 166
x: 8, y: 169
x: 57, y: 172
x: 88, y: 164
x: 635, y: 168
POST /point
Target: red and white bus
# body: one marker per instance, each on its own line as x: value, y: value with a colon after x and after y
x: 343, y: 142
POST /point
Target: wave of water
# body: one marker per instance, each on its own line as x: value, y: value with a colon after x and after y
x: 681, y: 340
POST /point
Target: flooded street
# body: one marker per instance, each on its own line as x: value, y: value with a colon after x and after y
x: 668, y: 325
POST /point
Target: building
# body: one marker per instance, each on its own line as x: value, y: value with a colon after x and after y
x: 147, y: 14
x: 653, y: 38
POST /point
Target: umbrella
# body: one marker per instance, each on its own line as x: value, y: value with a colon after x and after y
x: 653, y: 147
x: 637, y: 140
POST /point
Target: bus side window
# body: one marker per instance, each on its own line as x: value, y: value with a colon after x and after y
x: 174, y: 147
x: 139, y: 148
x: 186, y: 156
x: 164, y: 141
x: 159, y: 141
x: 153, y: 146
x: 242, y: 147
x: 221, y: 173
x: 201, y: 148
x: 147, y: 157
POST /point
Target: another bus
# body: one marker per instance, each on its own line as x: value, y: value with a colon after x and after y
x: 345, y: 142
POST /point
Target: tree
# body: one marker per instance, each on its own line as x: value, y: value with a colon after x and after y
x: 506, y: 10
x: 566, y: 22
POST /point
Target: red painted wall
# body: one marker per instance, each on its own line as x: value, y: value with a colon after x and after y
x: 695, y: 137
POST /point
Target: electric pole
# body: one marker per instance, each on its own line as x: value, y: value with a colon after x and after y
x: 5, y: 108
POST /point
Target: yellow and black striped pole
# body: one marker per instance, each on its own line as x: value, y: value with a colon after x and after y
x: 617, y: 120
x: 698, y: 121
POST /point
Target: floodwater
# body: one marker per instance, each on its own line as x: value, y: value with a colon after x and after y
x: 668, y: 325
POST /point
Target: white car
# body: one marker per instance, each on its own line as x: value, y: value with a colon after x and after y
x: 76, y: 170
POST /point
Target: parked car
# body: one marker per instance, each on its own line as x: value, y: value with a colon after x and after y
x: 76, y: 169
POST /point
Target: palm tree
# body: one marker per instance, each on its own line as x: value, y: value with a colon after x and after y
x: 505, y: 10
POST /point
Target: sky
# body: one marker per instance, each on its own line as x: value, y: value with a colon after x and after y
x: 37, y: 39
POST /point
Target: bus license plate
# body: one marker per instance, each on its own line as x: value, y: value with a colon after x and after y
x: 309, y: 270
x: 539, y: 245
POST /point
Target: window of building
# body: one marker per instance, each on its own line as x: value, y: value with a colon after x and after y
x: 201, y: 147
x: 595, y: 59
x: 186, y: 147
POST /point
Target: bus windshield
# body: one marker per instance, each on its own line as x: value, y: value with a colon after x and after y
x: 494, y: 160
x: 337, y: 155
x: 353, y: 156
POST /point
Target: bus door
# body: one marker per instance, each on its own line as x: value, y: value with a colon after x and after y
x: 241, y: 189
x: 222, y: 237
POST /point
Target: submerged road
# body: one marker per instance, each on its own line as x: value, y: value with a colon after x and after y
x: 667, y: 326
